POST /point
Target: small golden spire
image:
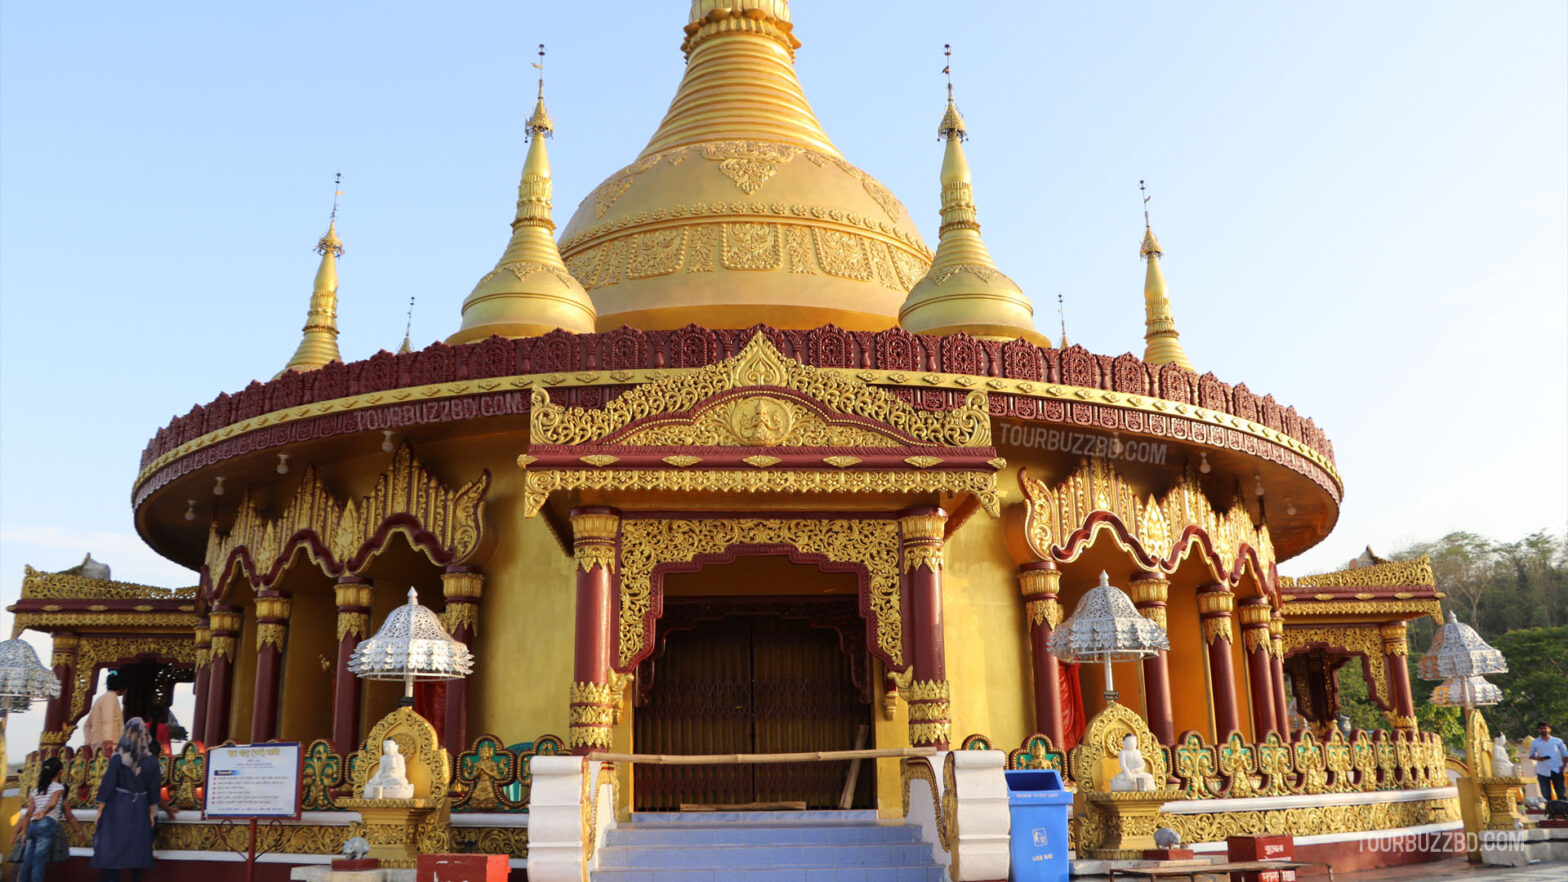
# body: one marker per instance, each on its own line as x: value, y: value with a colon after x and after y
x: 1061, y: 312
x: 530, y: 292
x: 408, y: 330
x: 320, y: 344
x: 1163, y: 341
x: 964, y: 290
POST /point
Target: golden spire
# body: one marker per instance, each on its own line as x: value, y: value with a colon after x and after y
x: 408, y: 330
x: 1164, y: 343
x: 740, y: 89
x: 964, y: 291
x: 530, y: 291
x: 1061, y: 312
x: 320, y: 344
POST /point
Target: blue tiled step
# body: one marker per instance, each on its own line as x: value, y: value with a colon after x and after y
x: 796, y: 874
x: 708, y: 819
x: 776, y: 856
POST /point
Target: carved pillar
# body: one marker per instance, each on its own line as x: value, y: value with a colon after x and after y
x: 1039, y: 583
x: 1150, y: 591
x: 595, y: 531
x: 1255, y: 618
x: 226, y: 622
x: 56, y: 727
x: 929, y: 695
x: 1215, y: 605
x: 1395, y: 653
x: 462, y: 588
x: 272, y: 631
x: 198, y: 726
x: 1281, y: 699
x: 353, y: 595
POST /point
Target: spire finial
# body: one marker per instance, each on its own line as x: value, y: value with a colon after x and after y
x: 540, y: 123
x: 952, y: 125
x: 1061, y: 312
x: 1160, y: 335
x: 1146, y: 197
x: 330, y: 241
x: 408, y: 330
x: 1151, y: 245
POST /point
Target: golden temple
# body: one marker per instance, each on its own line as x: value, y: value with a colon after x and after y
x: 739, y: 465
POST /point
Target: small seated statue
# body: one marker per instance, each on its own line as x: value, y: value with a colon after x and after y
x: 391, y: 779
x: 1134, y: 775
x: 1502, y: 766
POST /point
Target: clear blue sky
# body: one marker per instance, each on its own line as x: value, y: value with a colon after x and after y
x: 1364, y: 208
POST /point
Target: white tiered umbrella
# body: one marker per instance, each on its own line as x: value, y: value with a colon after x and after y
x: 411, y: 645
x: 1107, y: 627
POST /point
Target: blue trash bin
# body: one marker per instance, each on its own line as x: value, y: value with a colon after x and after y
x: 1038, y: 804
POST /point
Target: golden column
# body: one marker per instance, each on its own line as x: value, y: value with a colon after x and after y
x: 353, y: 594
x: 923, y: 531
x: 1150, y: 591
x: 1281, y: 702
x: 272, y: 633
x: 1396, y: 651
x: 1255, y: 618
x: 462, y: 587
x: 595, y: 531
x: 1039, y: 583
x: 198, y: 727
x: 56, y: 727
x: 226, y: 622
x: 1215, y: 605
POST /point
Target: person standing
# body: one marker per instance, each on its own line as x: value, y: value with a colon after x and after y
x: 40, y: 819
x: 1549, y: 752
x: 128, y: 799
x: 104, y: 721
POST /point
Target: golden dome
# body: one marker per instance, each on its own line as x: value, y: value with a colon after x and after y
x: 740, y: 210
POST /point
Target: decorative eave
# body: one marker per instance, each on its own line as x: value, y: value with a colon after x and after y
x: 69, y: 602
x: 1381, y: 592
x: 760, y: 423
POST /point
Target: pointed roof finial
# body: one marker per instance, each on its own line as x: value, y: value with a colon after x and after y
x: 1163, y: 343
x: 1061, y: 312
x: 540, y: 123
x: 408, y: 330
x: 952, y: 125
x: 320, y: 344
x: 530, y: 292
x: 964, y: 291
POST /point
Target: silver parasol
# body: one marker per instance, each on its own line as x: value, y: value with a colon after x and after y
x: 1458, y: 651
x: 411, y: 645
x: 23, y: 678
x: 1106, y: 627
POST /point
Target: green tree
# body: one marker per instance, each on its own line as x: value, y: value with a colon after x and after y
x: 1536, y: 685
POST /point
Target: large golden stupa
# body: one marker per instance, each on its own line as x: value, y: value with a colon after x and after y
x: 738, y: 465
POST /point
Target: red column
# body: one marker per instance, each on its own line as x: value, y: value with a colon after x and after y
x: 1255, y: 617
x: 462, y: 588
x: 54, y: 734
x: 1150, y: 591
x: 1215, y: 604
x: 198, y: 726
x: 1039, y: 583
x: 272, y: 630
x: 1395, y: 652
x: 929, y: 695
x: 1281, y: 698
x: 595, y: 531
x: 226, y: 623
x: 353, y: 595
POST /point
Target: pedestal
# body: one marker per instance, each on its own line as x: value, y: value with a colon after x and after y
x: 394, y: 827
x: 1129, y: 818
x: 1500, y: 795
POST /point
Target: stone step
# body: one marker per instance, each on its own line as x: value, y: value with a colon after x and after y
x: 765, y: 856
x: 638, y: 835
x: 866, y: 816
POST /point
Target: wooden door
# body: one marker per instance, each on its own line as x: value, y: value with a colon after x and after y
x: 750, y: 684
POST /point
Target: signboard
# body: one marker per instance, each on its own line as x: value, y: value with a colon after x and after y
x: 254, y: 781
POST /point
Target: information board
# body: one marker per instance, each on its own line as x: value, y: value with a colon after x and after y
x: 254, y: 781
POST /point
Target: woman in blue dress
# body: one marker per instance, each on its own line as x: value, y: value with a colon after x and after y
x: 127, y: 801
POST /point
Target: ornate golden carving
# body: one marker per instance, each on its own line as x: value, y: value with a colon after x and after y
x: 841, y: 462
x: 760, y: 364
x: 1313, y: 821
x: 1054, y: 519
x: 600, y: 460
x: 428, y: 768
x: 353, y: 595
x: 72, y: 586
x: 1383, y: 575
x: 761, y: 461
x: 539, y: 484
x: 593, y: 539
x: 272, y: 607
x: 682, y: 461
x: 1045, y: 612
x: 271, y: 634
x: 356, y: 624
x: 648, y: 543
x: 1102, y: 742
x: 919, y: 769
x: 354, y: 531
x: 459, y: 615
x: 1394, y: 642
x: 930, y: 733
x: 927, y: 690
x: 1256, y: 639
x: 463, y: 586
x: 922, y: 537
x: 1363, y: 608
x: 1365, y: 641
x: 761, y: 421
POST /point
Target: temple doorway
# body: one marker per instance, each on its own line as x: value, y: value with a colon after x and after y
x: 754, y: 677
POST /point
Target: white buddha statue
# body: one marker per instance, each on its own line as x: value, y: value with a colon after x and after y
x: 1134, y: 775
x: 1502, y: 766
x: 391, y: 779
